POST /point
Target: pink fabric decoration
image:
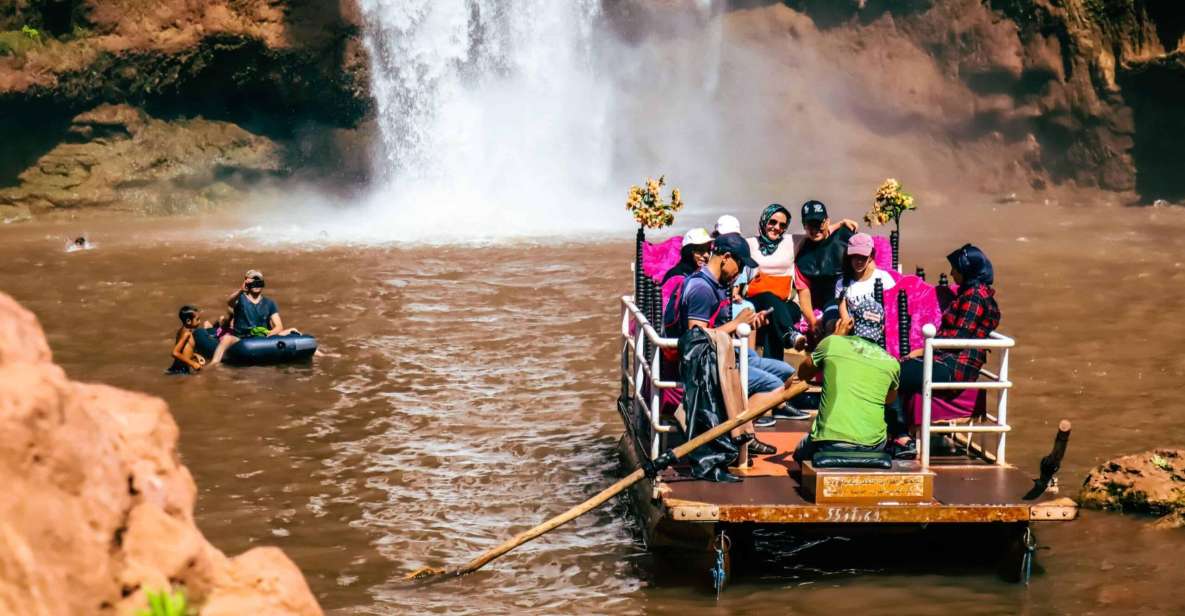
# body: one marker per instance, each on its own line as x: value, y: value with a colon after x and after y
x: 883, y: 257
x: 969, y: 402
x: 658, y: 259
x: 923, y: 308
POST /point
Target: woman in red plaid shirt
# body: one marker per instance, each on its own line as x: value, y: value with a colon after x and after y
x: 972, y: 314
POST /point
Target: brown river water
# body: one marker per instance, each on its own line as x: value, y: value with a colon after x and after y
x: 468, y: 393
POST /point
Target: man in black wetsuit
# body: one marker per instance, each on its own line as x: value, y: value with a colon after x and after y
x: 254, y: 315
x: 818, y: 263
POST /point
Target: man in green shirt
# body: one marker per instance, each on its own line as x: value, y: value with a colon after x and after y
x: 859, y: 379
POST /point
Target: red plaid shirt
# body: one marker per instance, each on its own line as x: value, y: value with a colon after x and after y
x: 973, y: 314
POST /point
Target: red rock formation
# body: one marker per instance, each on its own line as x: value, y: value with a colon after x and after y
x: 98, y: 508
x: 1152, y: 483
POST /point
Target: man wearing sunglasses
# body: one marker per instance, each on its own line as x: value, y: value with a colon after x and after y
x: 818, y: 263
x: 254, y: 315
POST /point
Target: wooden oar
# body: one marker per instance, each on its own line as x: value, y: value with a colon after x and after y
x: 760, y: 404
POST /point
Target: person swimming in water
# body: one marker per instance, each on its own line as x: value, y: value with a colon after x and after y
x: 79, y: 243
x: 185, y: 359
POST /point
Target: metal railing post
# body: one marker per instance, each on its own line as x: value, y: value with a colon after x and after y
x: 655, y: 394
x: 1002, y: 410
x: 927, y: 395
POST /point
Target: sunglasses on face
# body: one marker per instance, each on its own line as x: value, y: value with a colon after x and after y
x: 777, y: 224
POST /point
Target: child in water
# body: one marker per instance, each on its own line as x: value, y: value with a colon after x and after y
x: 185, y: 359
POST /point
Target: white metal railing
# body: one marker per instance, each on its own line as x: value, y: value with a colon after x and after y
x: 996, y: 424
x: 640, y: 370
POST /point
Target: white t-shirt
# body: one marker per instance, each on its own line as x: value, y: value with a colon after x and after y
x: 780, y: 263
x: 860, y: 289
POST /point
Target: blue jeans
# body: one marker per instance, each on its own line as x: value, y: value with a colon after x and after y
x: 767, y: 374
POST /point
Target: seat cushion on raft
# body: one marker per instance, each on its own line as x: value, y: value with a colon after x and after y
x: 825, y: 458
x: 943, y: 407
x: 658, y: 259
x: 669, y: 400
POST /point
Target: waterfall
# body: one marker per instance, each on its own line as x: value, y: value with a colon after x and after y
x: 493, y: 117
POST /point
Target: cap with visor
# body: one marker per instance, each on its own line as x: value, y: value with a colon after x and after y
x: 813, y: 211
x: 735, y: 245
x: 697, y: 237
x: 727, y: 224
x: 860, y: 244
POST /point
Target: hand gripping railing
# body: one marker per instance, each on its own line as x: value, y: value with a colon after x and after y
x: 998, y: 423
x: 642, y: 373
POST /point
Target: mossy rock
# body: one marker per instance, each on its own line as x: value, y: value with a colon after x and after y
x: 17, y: 43
x: 1151, y: 483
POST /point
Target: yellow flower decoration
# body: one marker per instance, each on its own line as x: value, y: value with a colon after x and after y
x: 889, y: 203
x: 648, y: 207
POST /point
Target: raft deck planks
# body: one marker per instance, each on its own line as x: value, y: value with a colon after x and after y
x: 964, y: 492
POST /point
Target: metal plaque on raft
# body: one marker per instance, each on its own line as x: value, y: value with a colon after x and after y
x: 873, y: 486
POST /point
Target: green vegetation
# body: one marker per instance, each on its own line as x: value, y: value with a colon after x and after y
x: 165, y: 603
x: 19, y: 42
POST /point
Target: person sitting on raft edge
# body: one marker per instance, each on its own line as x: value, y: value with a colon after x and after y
x: 859, y: 379
x: 254, y: 315
x: 185, y: 359
x: 973, y: 314
x: 705, y: 302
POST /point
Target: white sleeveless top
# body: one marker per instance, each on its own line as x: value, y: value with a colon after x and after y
x: 780, y: 263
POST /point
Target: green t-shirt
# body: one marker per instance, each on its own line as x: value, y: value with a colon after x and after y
x: 857, y: 374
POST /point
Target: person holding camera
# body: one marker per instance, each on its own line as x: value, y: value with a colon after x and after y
x: 254, y: 315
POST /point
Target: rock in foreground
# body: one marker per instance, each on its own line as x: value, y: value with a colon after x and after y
x: 1152, y: 483
x: 98, y: 509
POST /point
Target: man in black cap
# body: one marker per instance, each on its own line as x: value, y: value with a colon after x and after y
x: 818, y: 262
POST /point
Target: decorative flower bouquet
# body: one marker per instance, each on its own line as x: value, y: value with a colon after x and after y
x: 889, y: 203
x: 649, y: 208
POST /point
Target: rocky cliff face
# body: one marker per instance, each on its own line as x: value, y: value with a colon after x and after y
x: 1097, y: 84
x: 1032, y: 93
x: 98, y: 509
x: 290, y: 72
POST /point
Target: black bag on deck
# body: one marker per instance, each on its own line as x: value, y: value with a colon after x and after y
x: 702, y: 401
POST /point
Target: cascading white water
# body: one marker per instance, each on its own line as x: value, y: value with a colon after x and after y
x: 493, y: 118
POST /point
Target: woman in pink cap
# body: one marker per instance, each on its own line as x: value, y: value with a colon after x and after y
x: 855, y: 289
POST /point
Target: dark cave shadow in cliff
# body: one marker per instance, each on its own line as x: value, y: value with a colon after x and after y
x: 1155, y: 93
x: 41, y: 130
